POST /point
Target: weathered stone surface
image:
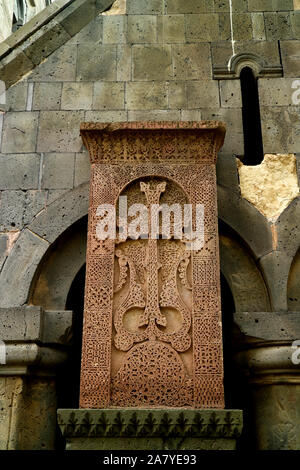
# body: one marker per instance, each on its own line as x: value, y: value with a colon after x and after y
x: 177, y: 97
x: 58, y: 131
x: 171, y: 29
x: 19, y: 171
x: 47, y: 96
x: 234, y: 140
x: 202, y: 94
x: 281, y: 129
x: 144, y: 7
x: 108, y: 95
x: 270, y: 326
x: 258, y: 25
x: 202, y: 28
x: 290, y: 51
x: 278, y: 26
x: 19, y: 132
x: 146, y: 95
x: 227, y: 172
x: 92, y: 32
x: 14, y: 66
x: 3, y: 248
x: 76, y: 96
x: 58, y: 171
x: 158, y: 115
x: 106, y: 116
x: 270, y: 5
x: 191, y: 61
x: 114, y: 29
x: 102, y: 66
x: 123, y: 63
x: 276, y: 91
x: 82, y: 168
x: 60, y: 66
x: 62, y: 213
x: 142, y: 29
x: 17, y: 272
x: 152, y: 63
x: 21, y: 324
x: 189, y: 6
x: 57, y: 327
x: 16, y: 97
x: 270, y: 186
x: 230, y: 93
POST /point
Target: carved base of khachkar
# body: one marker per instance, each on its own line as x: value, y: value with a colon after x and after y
x: 152, y: 333
x: 173, y: 429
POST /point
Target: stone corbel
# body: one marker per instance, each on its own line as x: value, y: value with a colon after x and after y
x: 35, y: 341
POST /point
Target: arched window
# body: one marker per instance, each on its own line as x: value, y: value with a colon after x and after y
x: 253, y: 143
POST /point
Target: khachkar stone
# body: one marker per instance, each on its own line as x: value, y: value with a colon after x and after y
x: 152, y: 334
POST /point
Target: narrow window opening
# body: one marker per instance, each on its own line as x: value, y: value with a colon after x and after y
x: 253, y: 143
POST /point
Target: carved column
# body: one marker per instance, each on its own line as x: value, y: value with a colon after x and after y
x: 152, y: 335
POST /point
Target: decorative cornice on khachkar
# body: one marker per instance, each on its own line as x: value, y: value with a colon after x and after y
x: 152, y: 332
x: 151, y: 423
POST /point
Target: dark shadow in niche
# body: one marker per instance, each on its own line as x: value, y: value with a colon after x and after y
x: 68, y: 377
x: 253, y: 142
x: 237, y: 393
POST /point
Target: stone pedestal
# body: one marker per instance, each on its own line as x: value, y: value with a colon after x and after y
x: 169, y: 429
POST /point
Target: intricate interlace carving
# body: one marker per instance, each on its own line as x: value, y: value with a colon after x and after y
x: 152, y: 326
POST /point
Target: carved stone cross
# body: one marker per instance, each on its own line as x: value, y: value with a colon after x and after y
x: 152, y: 333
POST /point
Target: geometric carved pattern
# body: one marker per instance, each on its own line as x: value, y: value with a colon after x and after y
x: 154, y: 423
x: 152, y: 332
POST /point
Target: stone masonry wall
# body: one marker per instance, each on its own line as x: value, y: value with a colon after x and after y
x: 156, y: 62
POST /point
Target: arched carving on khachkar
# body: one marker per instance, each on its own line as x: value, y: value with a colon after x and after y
x: 152, y: 324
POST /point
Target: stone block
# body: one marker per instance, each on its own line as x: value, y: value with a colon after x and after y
x: 109, y: 95
x: 281, y: 129
x: 258, y: 25
x: 156, y: 115
x: 192, y: 61
x: 142, y: 29
x: 77, y: 15
x: 171, y: 29
x: 152, y: 63
x: 270, y: 5
x: 295, y: 22
x: 35, y: 201
x: 19, y: 132
x: 123, y: 63
x: 191, y: 115
x: 276, y: 91
x: 17, y: 273
x: 12, y: 205
x: 144, y: 7
x: 202, y: 94
x: 59, y: 67
x: 96, y: 62
x: 82, y: 168
x: 114, y: 29
x: 59, y: 131
x: 21, y: 324
x: 145, y: 95
x: 278, y: 26
x: 242, y: 26
x: 202, y: 28
x: 14, y: 66
x: 106, y: 116
x: 76, y: 96
x: 290, y: 53
x: 189, y: 6
x: 47, y: 96
x: 224, y: 27
x: 16, y: 97
x: 58, y: 171
x: 230, y: 93
x: 19, y: 171
x: 237, y: 5
x: 234, y: 139
x: 177, y: 98
x: 44, y: 41
x: 91, y: 33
